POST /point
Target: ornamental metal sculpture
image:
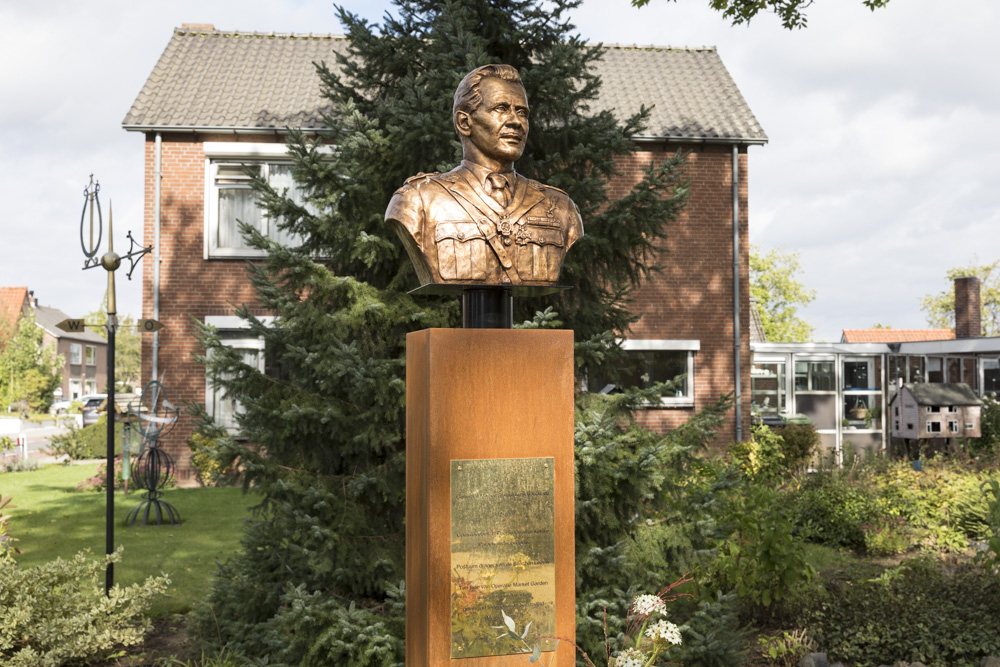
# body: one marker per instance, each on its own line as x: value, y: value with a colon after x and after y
x: 110, y: 261
x: 153, y: 417
x: 481, y: 229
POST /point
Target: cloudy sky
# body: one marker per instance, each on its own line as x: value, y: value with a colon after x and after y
x: 882, y: 171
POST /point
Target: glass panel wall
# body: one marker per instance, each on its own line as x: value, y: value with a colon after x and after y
x: 767, y: 387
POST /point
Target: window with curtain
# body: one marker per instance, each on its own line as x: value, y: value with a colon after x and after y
x: 231, y: 201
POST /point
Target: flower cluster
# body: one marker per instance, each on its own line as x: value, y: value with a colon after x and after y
x: 630, y: 657
x: 665, y: 631
x: 645, y: 605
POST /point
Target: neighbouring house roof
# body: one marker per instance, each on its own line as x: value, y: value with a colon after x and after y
x: 214, y: 79
x: 47, y: 318
x: 895, y: 335
x: 13, y: 301
x: 942, y: 393
x: 757, y: 333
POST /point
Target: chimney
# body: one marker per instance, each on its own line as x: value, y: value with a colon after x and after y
x: 968, y: 318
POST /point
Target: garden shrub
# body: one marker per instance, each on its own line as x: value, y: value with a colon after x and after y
x: 7, y: 548
x: 921, y: 615
x: 761, y: 457
x: 89, y: 442
x: 988, y: 444
x: 213, y: 452
x: 99, y: 482
x: 762, y: 560
x: 57, y: 613
x: 20, y: 465
x: 798, y: 444
x: 991, y: 556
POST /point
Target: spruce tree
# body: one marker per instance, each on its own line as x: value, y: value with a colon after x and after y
x: 318, y: 578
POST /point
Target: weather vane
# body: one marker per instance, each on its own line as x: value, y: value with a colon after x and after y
x: 110, y: 261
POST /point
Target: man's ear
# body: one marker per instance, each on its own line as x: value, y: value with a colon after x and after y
x: 463, y: 123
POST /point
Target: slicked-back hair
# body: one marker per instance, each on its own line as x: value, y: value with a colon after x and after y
x: 468, y: 96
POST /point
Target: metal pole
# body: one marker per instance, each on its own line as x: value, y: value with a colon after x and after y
x: 109, y: 577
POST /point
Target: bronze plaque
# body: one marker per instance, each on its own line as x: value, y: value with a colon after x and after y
x: 502, y: 554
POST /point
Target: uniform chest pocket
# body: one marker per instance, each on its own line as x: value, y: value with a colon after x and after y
x: 461, y: 250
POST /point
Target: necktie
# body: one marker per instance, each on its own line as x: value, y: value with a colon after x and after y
x: 497, y: 187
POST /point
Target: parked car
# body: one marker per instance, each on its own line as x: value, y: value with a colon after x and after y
x: 92, y: 407
x: 60, y: 406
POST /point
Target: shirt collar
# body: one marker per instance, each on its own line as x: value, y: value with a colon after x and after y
x: 482, y: 172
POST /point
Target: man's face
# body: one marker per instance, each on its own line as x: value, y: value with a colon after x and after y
x: 499, y: 127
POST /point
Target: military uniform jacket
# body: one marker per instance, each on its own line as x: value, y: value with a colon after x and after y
x: 456, y: 233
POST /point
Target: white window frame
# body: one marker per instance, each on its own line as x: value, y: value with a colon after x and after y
x: 222, y: 152
x: 90, y: 355
x: 675, y: 345
x: 90, y: 387
x: 75, y: 388
x: 232, y: 323
x: 935, y: 423
x: 76, y: 354
x: 953, y: 426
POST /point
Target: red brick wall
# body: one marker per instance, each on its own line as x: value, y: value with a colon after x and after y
x: 691, y: 299
x: 190, y: 286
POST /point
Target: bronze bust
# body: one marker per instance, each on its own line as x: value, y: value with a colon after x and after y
x: 482, y: 223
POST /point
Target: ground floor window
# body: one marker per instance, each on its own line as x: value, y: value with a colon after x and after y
x: 224, y: 409
x: 648, y: 362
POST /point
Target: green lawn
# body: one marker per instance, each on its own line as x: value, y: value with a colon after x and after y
x: 54, y: 520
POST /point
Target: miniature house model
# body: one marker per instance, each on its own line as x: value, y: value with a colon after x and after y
x: 935, y: 410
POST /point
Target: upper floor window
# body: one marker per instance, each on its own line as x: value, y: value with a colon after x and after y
x: 75, y: 353
x: 91, y: 355
x: 229, y: 199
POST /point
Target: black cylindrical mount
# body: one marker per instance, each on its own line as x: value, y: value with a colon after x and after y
x: 487, y: 308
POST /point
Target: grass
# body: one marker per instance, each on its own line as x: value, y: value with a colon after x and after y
x: 53, y: 520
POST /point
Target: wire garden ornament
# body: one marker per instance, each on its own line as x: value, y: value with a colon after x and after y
x: 153, y: 417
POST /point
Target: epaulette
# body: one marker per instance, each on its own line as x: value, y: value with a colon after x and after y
x: 421, y: 175
x: 542, y: 186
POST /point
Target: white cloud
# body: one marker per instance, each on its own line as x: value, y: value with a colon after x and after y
x: 881, y: 166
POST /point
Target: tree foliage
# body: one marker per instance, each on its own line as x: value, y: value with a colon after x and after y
x: 791, y: 12
x: 323, y: 558
x: 940, y: 307
x: 128, y: 346
x: 29, y: 371
x: 778, y: 294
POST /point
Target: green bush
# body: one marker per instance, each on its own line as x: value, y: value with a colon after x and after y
x: 89, y: 442
x: 57, y: 613
x: 924, y: 614
x: 799, y: 443
x: 7, y: 548
x: 988, y: 444
x: 762, y: 560
x: 761, y: 457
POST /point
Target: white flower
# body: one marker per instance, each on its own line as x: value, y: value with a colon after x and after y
x: 644, y: 605
x: 664, y: 630
x: 630, y: 657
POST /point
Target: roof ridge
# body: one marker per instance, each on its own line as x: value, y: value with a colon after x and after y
x: 655, y: 47
x: 241, y: 33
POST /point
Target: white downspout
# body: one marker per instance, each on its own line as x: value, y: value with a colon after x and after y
x: 157, y: 177
x: 736, y: 294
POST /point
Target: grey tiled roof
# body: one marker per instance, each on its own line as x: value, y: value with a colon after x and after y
x: 942, y: 393
x: 757, y: 333
x: 216, y: 79
x: 690, y: 90
x: 234, y: 80
x: 48, y: 318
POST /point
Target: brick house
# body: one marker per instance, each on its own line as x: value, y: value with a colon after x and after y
x: 217, y: 101
x: 84, y: 353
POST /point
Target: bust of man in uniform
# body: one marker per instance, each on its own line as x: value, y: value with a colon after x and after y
x: 482, y: 223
